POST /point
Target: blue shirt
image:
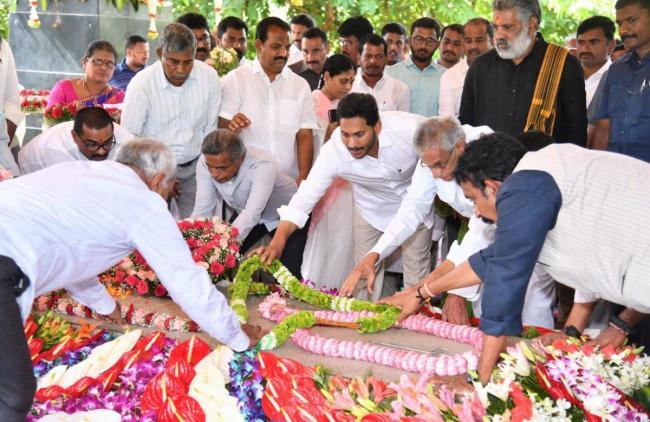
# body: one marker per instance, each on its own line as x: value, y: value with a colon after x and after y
x: 624, y: 99
x: 424, y: 85
x: 528, y: 203
x: 122, y: 75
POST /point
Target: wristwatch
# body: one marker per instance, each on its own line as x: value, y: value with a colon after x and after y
x: 572, y: 331
x: 628, y: 329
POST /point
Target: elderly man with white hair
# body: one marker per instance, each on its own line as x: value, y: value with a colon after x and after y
x: 83, y: 217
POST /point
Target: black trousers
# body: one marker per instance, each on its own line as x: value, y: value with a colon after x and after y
x: 17, y: 383
x: 293, y: 250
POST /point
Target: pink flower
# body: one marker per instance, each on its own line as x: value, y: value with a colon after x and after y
x: 216, y: 268
x: 235, y: 232
x: 234, y: 247
x: 230, y: 261
x: 160, y: 290
x: 131, y: 280
x: 143, y: 287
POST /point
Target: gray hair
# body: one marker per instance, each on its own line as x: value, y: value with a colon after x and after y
x: 148, y: 155
x: 177, y: 37
x: 525, y: 8
x: 223, y: 140
x: 442, y: 131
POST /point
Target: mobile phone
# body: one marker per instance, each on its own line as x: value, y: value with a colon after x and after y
x: 333, y: 115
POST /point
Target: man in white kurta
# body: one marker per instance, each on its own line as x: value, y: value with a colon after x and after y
x: 65, y: 224
x: 375, y: 152
x: 60, y: 143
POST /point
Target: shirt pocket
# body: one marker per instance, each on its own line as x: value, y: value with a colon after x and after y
x: 289, y: 115
x: 617, y: 105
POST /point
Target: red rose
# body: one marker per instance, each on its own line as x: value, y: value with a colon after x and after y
x: 197, y: 258
x: 57, y: 112
x: 131, y: 280
x: 230, y: 261
x: 234, y: 247
x: 120, y: 276
x: 234, y: 232
x: 25, y: 104
x: 139, y: 259
x: 216, y: 268
x: 184, y: 225
x: 160, y: 290
x: 72, y: 109
x: 143, y: 287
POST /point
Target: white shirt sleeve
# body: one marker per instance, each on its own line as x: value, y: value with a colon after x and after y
x: 92, y: 294
x: 582, y: 296
x: 446, y: 105
x: 231, y: 100
x: 415, y: 206
x: 264, y: 176
x: 160, y: 242
x: 479, y: 236
x: 214, y: 106
x: 12, y: 91
x: 207, y: 197
x: 404, y: 99
x: 310, y: 191
x: 136, y: 108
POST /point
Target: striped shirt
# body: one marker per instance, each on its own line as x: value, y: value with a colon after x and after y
x: 178, y: 116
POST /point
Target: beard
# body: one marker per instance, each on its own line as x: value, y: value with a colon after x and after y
x: 515, y: 48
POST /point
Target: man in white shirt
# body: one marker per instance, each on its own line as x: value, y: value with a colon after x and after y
x: 10, y: 113
x: 247, y: 180
x: 390, y: 93
x: 176, y: 100
x: 95, y: 214
x: 441, y: 142
x: 378, y: 158
x: 91, y: 136
x: 269, y: 105
x: 595, y: 44
x: 299, y: 25
x: 478, y: 33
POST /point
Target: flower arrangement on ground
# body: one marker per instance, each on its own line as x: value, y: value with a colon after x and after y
x: 214, y: 246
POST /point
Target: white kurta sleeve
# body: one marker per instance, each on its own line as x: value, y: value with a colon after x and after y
x: 136, y: 108
x: 92, y: 294
x: 160, y: 242
x: 264, y: 175
x: 311, y: 190
x: 230, y: 98
x: 415, y: 206
x: 11, y: 95
x: 479, y: 236
x: 446, y: 105
x: 207, y: 198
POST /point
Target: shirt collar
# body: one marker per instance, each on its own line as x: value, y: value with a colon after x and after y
x: 163, y: 83
x: 379, y: 83
x: 257, y: 68
x: 409, y: 63
x: 634, y: 57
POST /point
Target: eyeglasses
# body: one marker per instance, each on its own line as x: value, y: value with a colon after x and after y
x: 94, y: 146
x: 428, y: 41
x: 99, y: 62
x: 439, y: 165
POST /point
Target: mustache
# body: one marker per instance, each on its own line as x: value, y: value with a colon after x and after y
x: 474, y: 51
x: 453, y: 53
x: 502, y: 42
x: 202, y: 49
x: 628, y: 36
x: 280, y: 59
x: 586, y: 55
x: 313, y: 62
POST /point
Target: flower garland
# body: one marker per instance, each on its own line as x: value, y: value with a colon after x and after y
x: 383, y: 318
x: 34, y: 21
x: 293, y: 323
x: 157, y: 320
x: 223, y: 60
x: 214, y: 246
x: 246, y: 385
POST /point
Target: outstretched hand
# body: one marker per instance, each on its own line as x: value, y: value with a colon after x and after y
x: 267, y: 254
x: 364, y: 270
x: 254, y: 333
x: 407, y: 301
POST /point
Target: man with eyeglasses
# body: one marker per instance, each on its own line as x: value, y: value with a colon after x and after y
x: 91, y: 136
x: 419, y: 72
x: 621, y: 108
x: 248, y: 182
x: 176, y: 101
